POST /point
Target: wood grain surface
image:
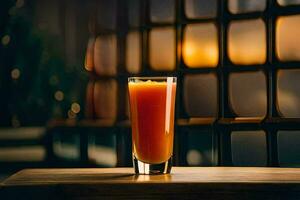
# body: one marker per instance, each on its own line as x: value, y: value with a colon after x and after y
x: 182, y: 183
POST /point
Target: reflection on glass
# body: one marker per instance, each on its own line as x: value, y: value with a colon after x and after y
x: 162, y: 49
x: 288, y: 93
x: 288, y: 144
x: 200, y: 93
x: 249, y: 148
x: 248, y: 94
x: 287, y: 38
x: 105, y: 99
x: 102, y: 149
x: 107, y: 14
x: 200, y: 45
x: 200, y: 8
x: 162, y: 11
x: 199, y: 148
x: 247, y: 42
x: 244, y: 6
x: 133, y: 52
x: 288, y: 2
x: 105, y: 55
x: 89, y: 100
x: 89, y: 56
x: 134, y: 13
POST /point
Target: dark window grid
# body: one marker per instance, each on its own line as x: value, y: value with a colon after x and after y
x: 274, y: 125
x: 70, y: 131
x: 182, y: 136
x: 124, y: 146
x: 225, y: 131
x: 224, y: 67
x: 84, y: 132
x: 272, y: 147
x: 181, y: 112
x: 177, y: 152
x: 229, y: 112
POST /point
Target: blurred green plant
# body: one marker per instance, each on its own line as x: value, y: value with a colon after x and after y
x: 35, y: 82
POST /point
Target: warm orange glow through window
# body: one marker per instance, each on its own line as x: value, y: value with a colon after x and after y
x: 162, y: 49
x: 105, y: 55
x: 133, y: 52
x: 89, y: 56
x: 105, y: 99
x: 200, y: 46
x: 287, y: 38
x: 247, y: 42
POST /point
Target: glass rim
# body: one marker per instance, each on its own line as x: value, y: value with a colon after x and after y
x: 151, y: 78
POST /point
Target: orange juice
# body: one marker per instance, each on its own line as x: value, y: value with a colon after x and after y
x: 152, y: 119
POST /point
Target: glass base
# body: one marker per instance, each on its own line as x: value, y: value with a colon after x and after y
x: 146, y: 168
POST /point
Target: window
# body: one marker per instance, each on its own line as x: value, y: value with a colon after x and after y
x: 237, y: 63
x: 200, y: 45
x: 247, y: 42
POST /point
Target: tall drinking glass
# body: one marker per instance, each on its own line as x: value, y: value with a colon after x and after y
x: 152, y: 102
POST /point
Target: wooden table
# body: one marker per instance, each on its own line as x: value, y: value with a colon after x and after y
x: 182, y: 183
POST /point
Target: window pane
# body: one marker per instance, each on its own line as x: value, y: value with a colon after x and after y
x: 200, y: 45
x: 133, y: 52
x: 249, y: 148
x: 288, y: 2
x: 199, y: 148
x: 105, y: 55
x: 248, y: 94
x: 134, y: 13
x: 107, y: 14
x: 200, y: 8
x: 66, y: 146
x: 162, y: 11
x: 105, y: 99
x: 102, y: 149
x: 288, y: 93
x: 247, y: 42
x: 287, y: 38
x: 162, y: 49
x: 244, y: 6
x: 288, y: 148
x: 201, y: 95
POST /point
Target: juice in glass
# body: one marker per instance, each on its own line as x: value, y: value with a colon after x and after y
x: 152, y: 104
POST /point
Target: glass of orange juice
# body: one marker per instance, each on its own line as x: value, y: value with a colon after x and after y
x: 152, y: 105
